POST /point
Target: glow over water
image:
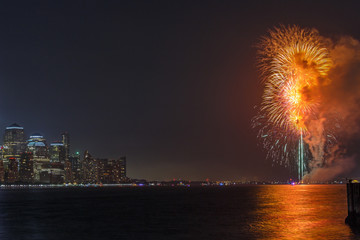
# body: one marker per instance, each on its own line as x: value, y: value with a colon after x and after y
x: 211, y: 213
x: 302, y: 212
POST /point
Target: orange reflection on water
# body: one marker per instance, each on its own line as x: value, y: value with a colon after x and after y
x: 301, y: 212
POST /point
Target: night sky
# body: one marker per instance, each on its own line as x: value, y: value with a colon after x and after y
x: 171, y: 84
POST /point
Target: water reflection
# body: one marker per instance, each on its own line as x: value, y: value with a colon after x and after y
x: 211, y: 213
x: 302, y: 212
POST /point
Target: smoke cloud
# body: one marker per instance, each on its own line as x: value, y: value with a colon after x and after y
x: 339, y: 108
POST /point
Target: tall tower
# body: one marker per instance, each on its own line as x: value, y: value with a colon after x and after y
x: 57, y: 152
x: 65, y: 139
x: 38, y: 147
x: 89, y: 169
x: 14, y: 143
x: 76, y: 166
x: 26, y: 168
x: 14, y: 140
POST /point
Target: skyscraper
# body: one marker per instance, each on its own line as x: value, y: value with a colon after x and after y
x: 89, y: 169
x: 37, y: 146
x: 111, y: 170
x: 2, y: 171
x: 26, y: 169
x: 57, y: 152
x: 69, y: 177
x: 12, y: 174
x: 119, y: 169
x: 76, y: 166
x: 65, y: 139
x: 14, y: 143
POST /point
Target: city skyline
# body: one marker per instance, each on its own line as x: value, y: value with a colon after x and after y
x: 30, y: 135
x: 32, y: 160
x: 55, y: 142
x: 171, y: 85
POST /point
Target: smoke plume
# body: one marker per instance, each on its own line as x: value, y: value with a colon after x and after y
x: 340, y: 104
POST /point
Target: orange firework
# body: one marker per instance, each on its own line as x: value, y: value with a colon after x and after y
x: 293, y: 62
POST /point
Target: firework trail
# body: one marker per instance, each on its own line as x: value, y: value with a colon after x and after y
x: 294, y: 65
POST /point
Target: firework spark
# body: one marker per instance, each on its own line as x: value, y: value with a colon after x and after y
x: 293, y: 62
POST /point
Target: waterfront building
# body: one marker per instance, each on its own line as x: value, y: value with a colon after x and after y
x: 119, y: 169
x: 14, y: 143
x: 69, y: 178
x: 52, y: 173
x: 26, y: 168
x: 104, y: 174
x: 2, y: 171
x: 36, y: 144
x: 12, y: 175
x: 89, y: 169
x: 65, y: 139
x: 76, y: 166
x: 111, y: 171
x: 57, y: 152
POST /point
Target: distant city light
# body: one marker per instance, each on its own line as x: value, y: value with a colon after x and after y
x: 56, y: 144
x: 14, y: 128
x: 33, y: 161
x: 36, y: 136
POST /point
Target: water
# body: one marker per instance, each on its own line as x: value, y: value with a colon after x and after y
x: 244, y: 212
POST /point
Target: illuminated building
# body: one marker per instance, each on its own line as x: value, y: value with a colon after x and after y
x: 69, y: 178
x: 89, y: 169
x: 52, y: 173
x: 100, y: 165
x: 13, y: 172
x: 111, y: 171
x: 65, y: 139
x: 2, y: 171
x: 36, y: 144
x: 26, y: 168
x: 119, y: 169
x: 57, y: 152
x: 14, y: 143
x: 102, y: 171
x: 76, y: 166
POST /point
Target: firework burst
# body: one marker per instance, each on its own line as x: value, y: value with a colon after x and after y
x: 294, y: 63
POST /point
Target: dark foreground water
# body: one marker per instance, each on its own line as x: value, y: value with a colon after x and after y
x: 244, y: 212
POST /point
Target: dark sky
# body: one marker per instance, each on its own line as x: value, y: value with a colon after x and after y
x: 171, y: 84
